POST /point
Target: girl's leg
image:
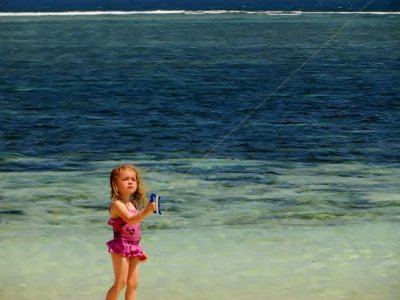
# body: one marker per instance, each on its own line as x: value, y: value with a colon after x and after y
x: 121, y: 268
x: 133, y: 279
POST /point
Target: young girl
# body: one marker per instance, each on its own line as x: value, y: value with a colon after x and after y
x: 127, y: 210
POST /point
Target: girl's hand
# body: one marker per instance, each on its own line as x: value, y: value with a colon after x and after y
x: 143, y: 258
x: 150, y: 208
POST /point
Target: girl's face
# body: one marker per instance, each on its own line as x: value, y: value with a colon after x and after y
x: 126, y: 182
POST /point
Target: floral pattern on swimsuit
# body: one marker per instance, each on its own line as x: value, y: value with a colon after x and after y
x: 126, y: 240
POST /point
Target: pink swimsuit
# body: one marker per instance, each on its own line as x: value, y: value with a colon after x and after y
x: 126, y: 240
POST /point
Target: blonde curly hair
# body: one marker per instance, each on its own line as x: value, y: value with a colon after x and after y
x: 138, y: 198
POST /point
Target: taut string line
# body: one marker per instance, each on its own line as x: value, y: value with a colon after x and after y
x: 283, y: 83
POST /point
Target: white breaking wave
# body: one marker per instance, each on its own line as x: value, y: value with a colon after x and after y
x: 356, y: 12
x: 185, y: 12
x: 88, y: 13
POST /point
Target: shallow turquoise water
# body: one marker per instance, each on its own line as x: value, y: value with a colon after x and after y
x: 310, y: 233
x: 357, y: 261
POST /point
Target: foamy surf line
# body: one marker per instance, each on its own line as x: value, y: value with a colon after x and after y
x: 185, y: 12
x: 150, y: 12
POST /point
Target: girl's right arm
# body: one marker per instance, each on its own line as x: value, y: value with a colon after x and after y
x: 118, y: 209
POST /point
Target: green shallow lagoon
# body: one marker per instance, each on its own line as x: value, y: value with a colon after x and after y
x: 357, y: 261
x: 299, y: 231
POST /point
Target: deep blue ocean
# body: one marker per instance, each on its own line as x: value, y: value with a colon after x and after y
x: 84, y: 88
x: 268, y: 135
x: 260, y: 5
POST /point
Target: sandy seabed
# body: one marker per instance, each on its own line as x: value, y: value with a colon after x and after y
x: 353, y: 261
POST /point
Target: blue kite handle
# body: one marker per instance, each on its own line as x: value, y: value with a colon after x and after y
x: 157, y: 200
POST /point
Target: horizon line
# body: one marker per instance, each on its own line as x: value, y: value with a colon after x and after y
x: 187, y: 12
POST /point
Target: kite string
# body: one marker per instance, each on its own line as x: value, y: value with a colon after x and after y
x: 283, y: 83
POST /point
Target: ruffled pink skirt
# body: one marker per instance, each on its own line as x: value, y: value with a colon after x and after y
x: 126, y: 248
x: 126, y: 240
